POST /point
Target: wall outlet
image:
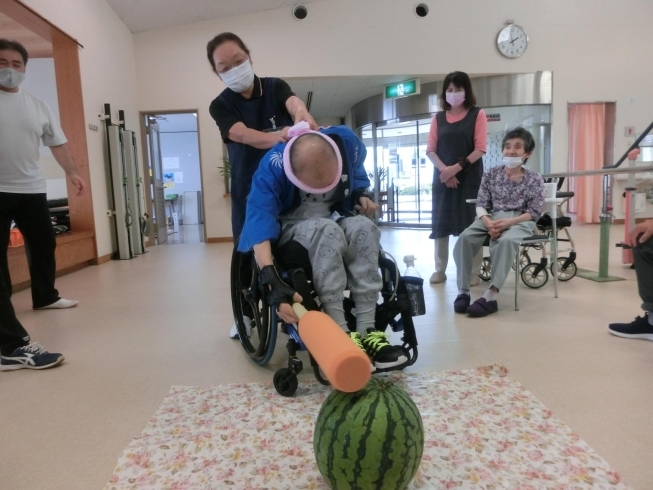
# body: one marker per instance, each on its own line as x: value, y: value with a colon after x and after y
x: 93, y: 127
x: 640, y: 202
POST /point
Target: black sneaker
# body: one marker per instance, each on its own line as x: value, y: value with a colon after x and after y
x: 32, y: 356
x: 638, y: 329
x: 383, y: 354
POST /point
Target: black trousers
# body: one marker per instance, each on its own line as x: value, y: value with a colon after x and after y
x: 32, y: 217
x: 643, y: 255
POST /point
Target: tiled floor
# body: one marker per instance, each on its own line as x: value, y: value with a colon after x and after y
x: 162, y: 319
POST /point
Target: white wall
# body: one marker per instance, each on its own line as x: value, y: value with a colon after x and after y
x: 108, y: 73
x: 597, y: 50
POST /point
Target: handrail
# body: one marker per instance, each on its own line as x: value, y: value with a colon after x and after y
x: 606, y: 209
x: 611, y: 170
x: 632, y: 147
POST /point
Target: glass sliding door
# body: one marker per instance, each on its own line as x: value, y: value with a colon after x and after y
x: 403, y: 172
x: 404, y: 175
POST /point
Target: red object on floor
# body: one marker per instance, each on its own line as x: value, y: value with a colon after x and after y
x: 16, y: 238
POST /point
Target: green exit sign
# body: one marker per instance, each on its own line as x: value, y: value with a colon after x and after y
x: 402, y: 89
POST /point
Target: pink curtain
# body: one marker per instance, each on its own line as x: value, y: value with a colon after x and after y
x: 586, y: 152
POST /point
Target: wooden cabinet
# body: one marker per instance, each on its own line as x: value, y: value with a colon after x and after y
x: 74, y: 251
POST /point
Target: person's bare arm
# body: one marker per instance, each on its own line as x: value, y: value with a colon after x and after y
x: 65, y: 160
x: 263, y: 254
x: 298, y: 111
x: 435, y: 160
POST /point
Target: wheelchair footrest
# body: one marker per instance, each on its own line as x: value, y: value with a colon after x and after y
x: 411, y: 357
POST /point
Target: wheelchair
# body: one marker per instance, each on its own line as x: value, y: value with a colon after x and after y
x: 535, y: 274
x: 402, y: 299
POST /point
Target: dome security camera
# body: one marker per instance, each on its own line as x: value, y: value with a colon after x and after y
x: 421, y: 10
x: 299, y: 12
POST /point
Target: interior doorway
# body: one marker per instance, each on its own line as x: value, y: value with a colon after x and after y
x: 175, y: 198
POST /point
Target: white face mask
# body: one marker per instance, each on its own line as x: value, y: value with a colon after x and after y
x: 11, y: 78
x: 512, y: 162
x: 239, y: 78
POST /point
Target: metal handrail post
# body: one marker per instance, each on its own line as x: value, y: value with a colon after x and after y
x: 606, y: 221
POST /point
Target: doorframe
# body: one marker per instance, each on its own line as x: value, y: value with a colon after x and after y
x: 146, y: 164
x: 65, y: 53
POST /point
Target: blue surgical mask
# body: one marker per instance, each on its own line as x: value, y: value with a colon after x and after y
x: 239, y: 78
x: 512, y: 162
x: 11, y: 78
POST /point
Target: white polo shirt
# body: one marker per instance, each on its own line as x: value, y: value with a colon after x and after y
x: 25, y: 122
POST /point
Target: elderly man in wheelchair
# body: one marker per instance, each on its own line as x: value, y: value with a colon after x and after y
x: 306, y: 192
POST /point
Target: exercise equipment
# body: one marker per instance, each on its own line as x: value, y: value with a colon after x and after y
x: 126, y: 197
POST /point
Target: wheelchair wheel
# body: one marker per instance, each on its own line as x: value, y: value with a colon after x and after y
x: 486, y: 269
x: 532, y: 280
x: 248, y: 299
x: 285, y: 382
x: 568, y: 273
x: 524, y: 260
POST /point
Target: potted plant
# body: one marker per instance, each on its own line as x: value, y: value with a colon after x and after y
x: 225, y: 171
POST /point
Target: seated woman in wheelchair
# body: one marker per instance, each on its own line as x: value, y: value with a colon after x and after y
x: 306, y: 190
x: 510, y: 201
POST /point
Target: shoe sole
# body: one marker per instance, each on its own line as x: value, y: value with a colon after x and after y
x: 385, y: 365
x: 438, y: 282
x: 16, y: 367
x: 49, y: 307
x: 474, y: 315
x: 643, y: 336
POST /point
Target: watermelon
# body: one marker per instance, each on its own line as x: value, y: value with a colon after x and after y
x: 371, y: 439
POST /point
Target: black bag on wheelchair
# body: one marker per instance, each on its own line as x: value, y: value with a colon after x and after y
x: 546, y: 223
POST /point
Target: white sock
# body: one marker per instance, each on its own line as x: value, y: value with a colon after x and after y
x: 337, y: 313
x: 463, y: 291
x: 365, y: 314
x: 490, y: 295
x: 649, y: 315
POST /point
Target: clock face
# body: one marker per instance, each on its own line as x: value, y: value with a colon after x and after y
x: 512, y: 41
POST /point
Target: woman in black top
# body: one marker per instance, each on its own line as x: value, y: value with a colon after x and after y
x: 456, y: 145
x: 253, y: 115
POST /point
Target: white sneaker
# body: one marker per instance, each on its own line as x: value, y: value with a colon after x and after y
x: 60, y: 305
x: 233, y: 334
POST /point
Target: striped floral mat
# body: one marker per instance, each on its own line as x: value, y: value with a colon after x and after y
x: 483, y: 430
